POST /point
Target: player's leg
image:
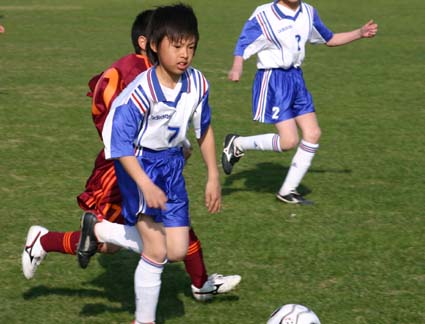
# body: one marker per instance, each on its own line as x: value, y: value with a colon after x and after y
x: 302, y: 159
x: 147, y: 277
x: 271, y: 104
x: 204, y: 286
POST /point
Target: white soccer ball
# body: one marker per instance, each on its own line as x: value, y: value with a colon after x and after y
x: 293, y: 314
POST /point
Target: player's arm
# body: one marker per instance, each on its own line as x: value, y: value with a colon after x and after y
x: 212, y: 189
x: 368, y: 30
x: 250, y: 42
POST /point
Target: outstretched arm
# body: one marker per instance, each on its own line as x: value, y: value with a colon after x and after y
x: 368, y: 30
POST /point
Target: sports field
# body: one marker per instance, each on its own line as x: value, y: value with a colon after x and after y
x: 357, y: 256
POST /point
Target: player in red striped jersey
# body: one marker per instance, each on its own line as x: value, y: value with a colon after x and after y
x: 102, y: 196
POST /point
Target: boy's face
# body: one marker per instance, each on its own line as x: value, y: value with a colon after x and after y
x: 175, y: 56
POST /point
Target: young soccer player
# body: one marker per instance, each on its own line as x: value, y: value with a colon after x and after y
x: 102, y: 196
x: 144, y: 132
x: 277, y: 32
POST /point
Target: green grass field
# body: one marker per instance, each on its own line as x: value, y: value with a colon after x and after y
x: 357, y: 256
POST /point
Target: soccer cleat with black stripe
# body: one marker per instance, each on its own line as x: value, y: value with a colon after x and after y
x: 294, y: 197
x: 230, y: 154
x: 87, y: 245
x: 216, y: 284
x: 33, y: 252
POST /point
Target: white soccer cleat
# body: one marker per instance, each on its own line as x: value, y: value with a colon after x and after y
x: 216, y: 284
x: 33, y: 252
x: 205, y: 292
x: 224, y: 284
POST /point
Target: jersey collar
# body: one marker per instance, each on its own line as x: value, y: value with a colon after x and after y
x: 155, y: 87
x: 281, y: 15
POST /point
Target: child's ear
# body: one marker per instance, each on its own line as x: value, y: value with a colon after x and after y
x: 142, y: 41
x: 153, y: 47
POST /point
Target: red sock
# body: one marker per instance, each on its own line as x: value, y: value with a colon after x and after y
x: 194, y: 261
x: 62, y: 242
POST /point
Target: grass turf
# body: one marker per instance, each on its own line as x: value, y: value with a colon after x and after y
x: 357, y: 256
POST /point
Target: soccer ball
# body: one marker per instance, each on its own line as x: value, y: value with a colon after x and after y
x: 293, y: 314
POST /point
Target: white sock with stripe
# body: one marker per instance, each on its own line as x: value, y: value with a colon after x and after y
x: 124, y: 236
x: 147, y: 285
x: 263, y: 142
x: 299, y: 166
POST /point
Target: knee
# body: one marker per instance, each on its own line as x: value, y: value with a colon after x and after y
x: 176, y: 255
x: 313, y: 135
x: 157, y: 255
x: 288, y: 143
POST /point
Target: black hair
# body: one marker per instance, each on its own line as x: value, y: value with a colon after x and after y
x: 176, y: 22
x: 140, y: 28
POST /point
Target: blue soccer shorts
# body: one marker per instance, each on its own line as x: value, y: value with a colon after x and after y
x: 279, y: 95
x: 165, y: 169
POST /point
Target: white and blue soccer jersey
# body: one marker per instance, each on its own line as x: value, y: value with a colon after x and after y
x: 142, y: 117
x: 278, y: 35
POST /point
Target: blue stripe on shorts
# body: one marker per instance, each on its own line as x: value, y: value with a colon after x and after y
x: 279, y: 95
x: 165, y: 169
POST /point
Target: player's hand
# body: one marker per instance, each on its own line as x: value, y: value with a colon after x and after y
x: 369, y: 30
x: 154, y: 196
x: 236, y: 72
x: 235, y: 75
x: 213, y: 196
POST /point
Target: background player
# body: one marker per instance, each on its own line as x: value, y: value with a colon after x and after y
x: 277, y: 32
x: 102, y: 197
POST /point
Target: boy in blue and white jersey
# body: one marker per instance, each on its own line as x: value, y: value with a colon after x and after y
x: 277, y: 33
x: 144, y: 132
x: 160, y: 116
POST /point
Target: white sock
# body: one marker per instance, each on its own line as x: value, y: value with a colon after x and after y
x: 263, y: 142
x: 299, y: 166
x: 124, y: 236
x: 147, y: 285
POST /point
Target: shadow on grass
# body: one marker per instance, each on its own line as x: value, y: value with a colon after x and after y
x: 267, y: 177
x: 116, y: 285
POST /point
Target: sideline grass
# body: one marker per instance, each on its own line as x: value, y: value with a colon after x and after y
x: 357, y: 256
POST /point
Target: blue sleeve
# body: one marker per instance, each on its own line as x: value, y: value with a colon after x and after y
x: 206, y: 114
x: 250, y: 32
x: 125, y: 128
x: 320, y: 27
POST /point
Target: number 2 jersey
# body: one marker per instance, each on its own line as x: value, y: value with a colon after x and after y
x: 144, y: 116
x: 278, y: 35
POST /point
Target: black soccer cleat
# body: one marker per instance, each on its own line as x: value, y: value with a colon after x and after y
x: 87, y: 245
x: 294, y: 197
x: 231, y: 154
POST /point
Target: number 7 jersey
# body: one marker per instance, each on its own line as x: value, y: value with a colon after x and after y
x: 142, y: 117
